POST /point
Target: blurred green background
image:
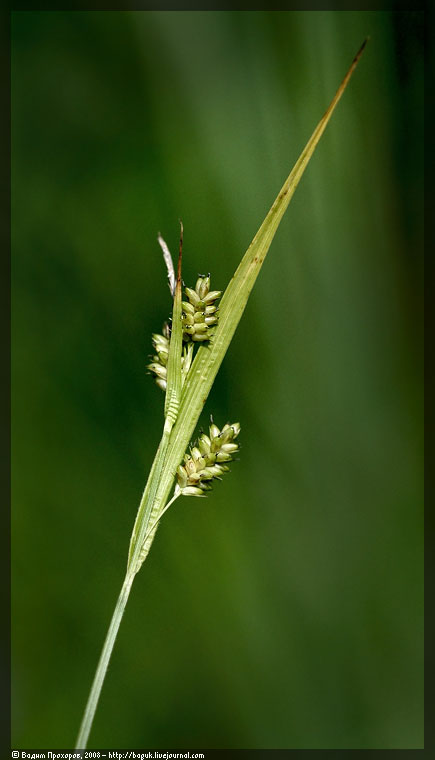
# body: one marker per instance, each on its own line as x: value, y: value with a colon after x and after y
x: 286, y: 610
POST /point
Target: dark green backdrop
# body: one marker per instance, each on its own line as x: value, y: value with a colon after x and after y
x: 286, y: 610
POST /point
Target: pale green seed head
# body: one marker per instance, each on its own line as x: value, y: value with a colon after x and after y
x: 158, y: 369
x: 162, y: 357
x: 187, y: 307
x: 207, y: 473
x: 202, y: 286
x: 190, y: 467
x: 204, y: 444
x: 193, y: 296
x: 236, y: 427
x: 192, y: 491
x: 214, y: 431
x: 199, y: 312
x: 229, y: 448
x: 205, y: 462
x: 201, y: 328
x: 212, y: 296
x: 226, y: 435
x: 181, y: 476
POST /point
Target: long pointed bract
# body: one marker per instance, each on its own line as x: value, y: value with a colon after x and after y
x: 173, y: 388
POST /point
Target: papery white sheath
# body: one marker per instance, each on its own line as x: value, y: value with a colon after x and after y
x: 169, y: 264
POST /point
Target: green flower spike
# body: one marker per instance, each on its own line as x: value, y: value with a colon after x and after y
x: 200, y: 311
x: 206, y: 461
x: 200, y: 315
x: 158, y: 365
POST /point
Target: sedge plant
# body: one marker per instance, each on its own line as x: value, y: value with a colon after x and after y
x: 188, y: 354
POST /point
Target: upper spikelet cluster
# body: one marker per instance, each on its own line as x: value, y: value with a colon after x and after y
x: 200, y: 311
x: 200, y: 315
x: 159, y: 361
x: 207, y: 461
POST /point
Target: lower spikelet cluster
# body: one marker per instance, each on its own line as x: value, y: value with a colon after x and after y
x: 207, y: 461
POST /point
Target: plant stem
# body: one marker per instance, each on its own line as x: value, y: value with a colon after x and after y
x: 112, y: 633
x: 149, y: 499
x: 157, y: 520
x: 100, y: 674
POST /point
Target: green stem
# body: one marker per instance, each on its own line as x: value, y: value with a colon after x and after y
x: 112, y: 633
x: 100, y: 674
x: 148, y: 501
x: 157, y: 520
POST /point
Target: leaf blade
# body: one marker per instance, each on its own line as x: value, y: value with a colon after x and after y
x: 174, y: 376
x: 235, y: 297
